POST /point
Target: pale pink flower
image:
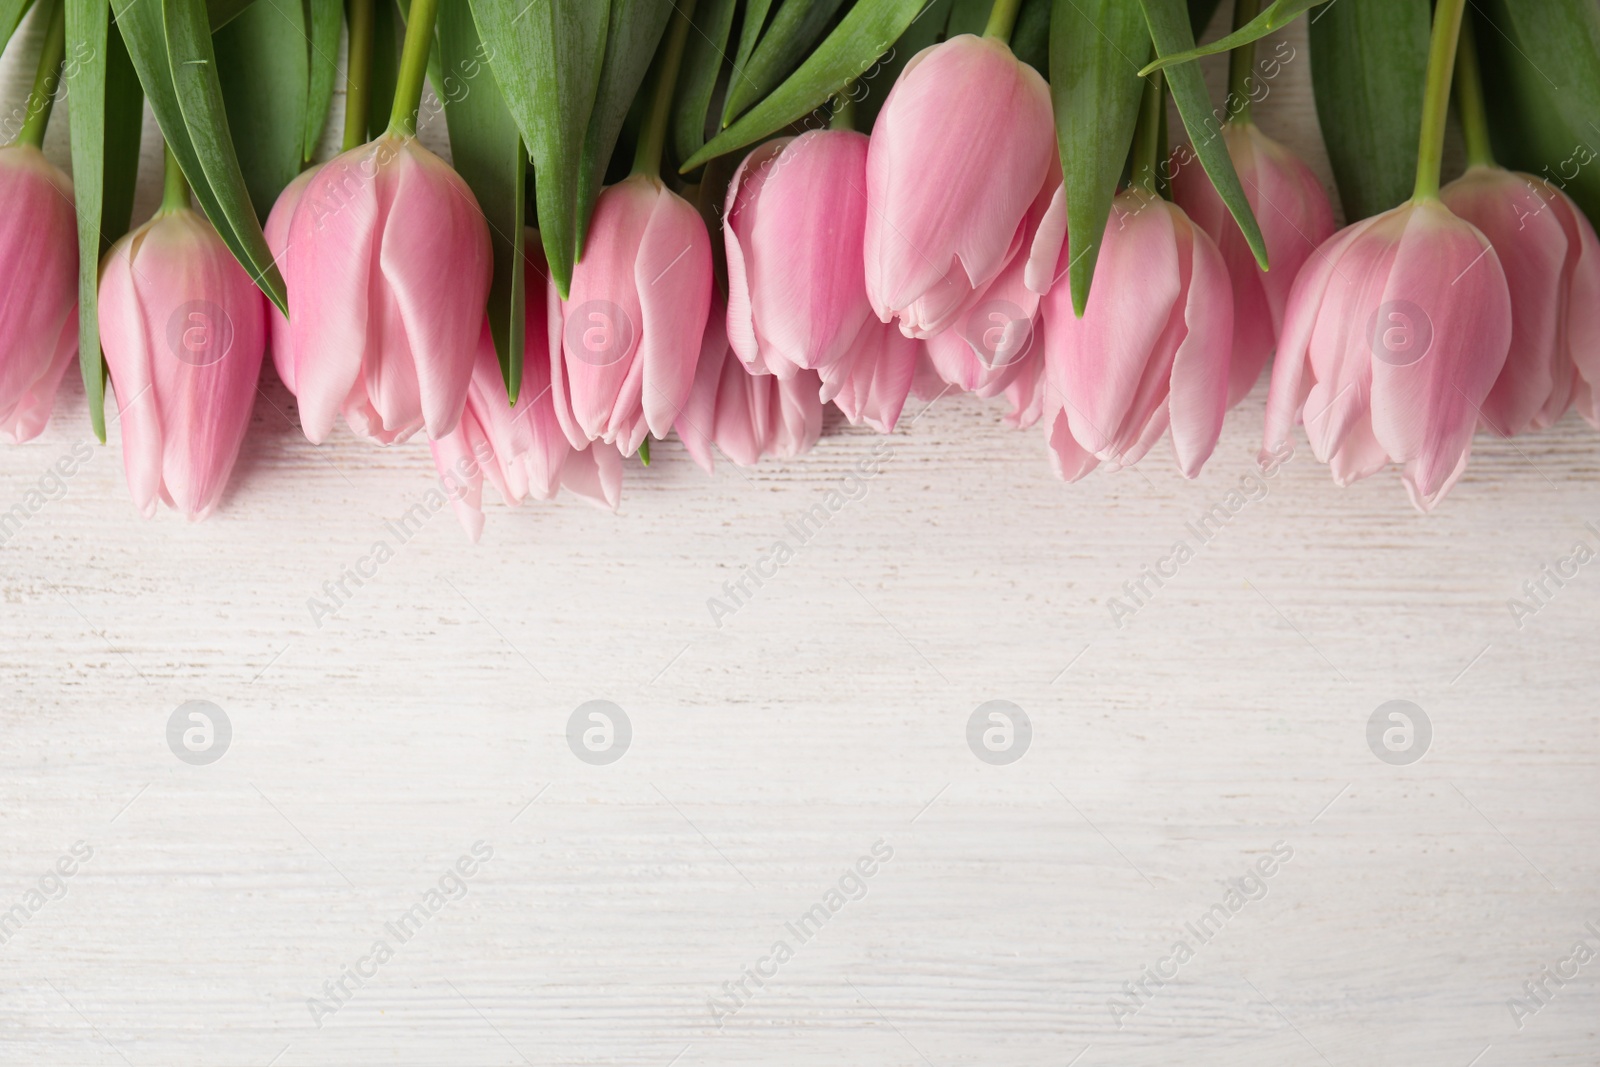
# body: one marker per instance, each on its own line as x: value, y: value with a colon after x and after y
x: 38, y: 288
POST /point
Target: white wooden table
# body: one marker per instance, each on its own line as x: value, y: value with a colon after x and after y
x: 769, y: 755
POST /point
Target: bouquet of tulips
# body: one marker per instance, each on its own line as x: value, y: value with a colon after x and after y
x: 713, y: 217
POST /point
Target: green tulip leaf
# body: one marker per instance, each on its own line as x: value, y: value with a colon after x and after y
x: 262, y: 67
x: 1030, y: 38
x: 546, y: 56
x: 105, y: 118
x: 703, y: 59
x: 1277, y: 15
x: 750, y: 27
x: 221, y: 12
x: 487, y: 151
x: 866, y: 33
x: 11, y: 12
x: 631, y: 38
x: 1559, y: 40
x: 795, y: 28
x: 1095, y: 48
x: 1169, y: 30
x: 1369, y: 63
x: 326, y: 20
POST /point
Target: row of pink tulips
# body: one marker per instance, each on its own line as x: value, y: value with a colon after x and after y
x: 927, y: 258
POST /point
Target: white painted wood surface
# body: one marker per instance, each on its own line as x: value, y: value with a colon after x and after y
x: 1168, y: 757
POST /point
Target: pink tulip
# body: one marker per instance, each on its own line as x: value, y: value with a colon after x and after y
x: 747, y: 415
x: 960, y: 150
x: 994, y: 336
x: 1151, y: 351
x: 38, y: 288
x: 277, y: 234
x: 183, y: 329
x: 871, y: 383
x: 1295, y: 217
x: 1552, y: 265
x: 796, y: 218
x: 1395, y: 332
x: 387, y: 264
x: 625, y: 343
x: 521, y: 449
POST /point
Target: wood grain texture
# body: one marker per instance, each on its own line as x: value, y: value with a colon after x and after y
x: 768, y: 754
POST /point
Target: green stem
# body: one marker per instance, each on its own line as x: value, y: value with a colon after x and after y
x: 1469, y: 100
x: 1147, y: 135
x: 46, y: 78
x: 175, y: 187
x: 413, y: 67
x: 844, y: 111
x: 1241, y: 63
x: 358, y: 75
x: 1436, y: 98
x: 1002, y: 17
x: 653, y: 137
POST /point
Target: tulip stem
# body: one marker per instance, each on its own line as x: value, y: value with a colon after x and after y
x: 413, y: 67
x: 46, y: 78
x: 653, y: 137
x: 1436, y: 98
x: 175, y: 187
x: 1469, y: 100
x: 1002, y: 18
x: 1241, y: 62
x: 843, y: 115
x: 1147, y: 135
x: 358, y: 75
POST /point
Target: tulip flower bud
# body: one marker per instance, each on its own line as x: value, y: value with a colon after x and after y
x: 184, y: 330
x: 626, y: 341
x: 796, y: 218
x: 1295, y: 217
x: 38, y: 288
x: 1151, y: 351
x: 521, y: 448
x: 871, y: 383
x: 748, y: 415
x: 387, y: 264
x: 960, y: 150
x: 1552, y: 264
x: 1395, y: 332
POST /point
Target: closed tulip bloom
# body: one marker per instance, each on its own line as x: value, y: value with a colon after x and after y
x: 1552, y: 265
x: 747, y: 414
x: 796, y: 216
x: 387, y: 266
x: 277, y: 233
x: 1151, y: 351
x: 625, y: 343
x: 520, y: 448
x: 871, y: 383
x: 38, y: 288
x: 962, y: 147
x: 1295, y: 217
x: 184, y: 330
x: 1395, y: 333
